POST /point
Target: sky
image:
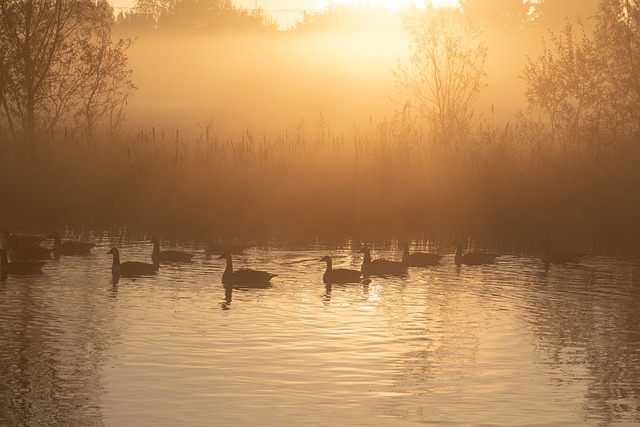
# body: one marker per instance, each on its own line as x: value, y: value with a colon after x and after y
x: 287, y: 12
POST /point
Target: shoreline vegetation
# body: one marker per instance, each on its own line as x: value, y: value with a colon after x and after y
x: 501, y: 186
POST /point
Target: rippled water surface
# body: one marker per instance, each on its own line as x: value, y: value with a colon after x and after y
x: 506, y: 344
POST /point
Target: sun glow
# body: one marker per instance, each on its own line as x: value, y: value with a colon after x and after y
x: 395, y: 5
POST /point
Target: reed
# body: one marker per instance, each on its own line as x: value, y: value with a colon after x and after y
x: 384, y: 179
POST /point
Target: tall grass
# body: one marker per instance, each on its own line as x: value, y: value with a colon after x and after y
x: 386, y: 179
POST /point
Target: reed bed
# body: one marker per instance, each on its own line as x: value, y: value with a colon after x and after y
x: 387, y: 179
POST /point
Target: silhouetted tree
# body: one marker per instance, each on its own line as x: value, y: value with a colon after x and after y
x: 505, y: 14
x: 618, y: 39
x: 587, y: 88
x: 48, y: 65
x: 445, y: 73
x: 565, y: 84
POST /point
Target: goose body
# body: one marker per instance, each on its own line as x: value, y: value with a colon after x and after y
x: 339, y: 275
x: 244, y: 277
x: 473, y: 257
x: 418, y: 259
x: 69, y: 247
x: 130, y: 268
x: 28, y: 253
x: 168, y: 256
x: 549, y: 257
x: 18, y: 267
x: 380, y: 266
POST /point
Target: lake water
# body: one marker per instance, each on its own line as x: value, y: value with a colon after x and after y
x: 508, y: 344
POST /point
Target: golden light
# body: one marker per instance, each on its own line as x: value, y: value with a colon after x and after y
x: 395, y: 5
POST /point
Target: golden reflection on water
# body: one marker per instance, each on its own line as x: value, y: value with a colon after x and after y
x: 503, y: 344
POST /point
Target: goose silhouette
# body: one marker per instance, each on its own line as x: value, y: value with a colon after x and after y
x: 380, y: 266
x: 130, y: 268
x: 27, y: 253
x: 244, y: 277
x: 69, y: 247
x: 339, y: 275
x: 168, y: 256
x: 418, y: 259
x: 472, y: 257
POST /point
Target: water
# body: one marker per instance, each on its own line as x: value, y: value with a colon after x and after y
x: 502, y: 345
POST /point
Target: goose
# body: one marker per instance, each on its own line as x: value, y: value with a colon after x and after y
x: 549, y: 257
x: 211, y: 248
x: 418, y: 259
x: 130, y: 268
x: 17, y: 252
x: 6, y: 239
x: 380, y: 266
x: 339, y: 275
x: 168, y: 256
x: 473, y: 257
x: 244, y: 277
x: 69, y: 247
x: 19, y: 267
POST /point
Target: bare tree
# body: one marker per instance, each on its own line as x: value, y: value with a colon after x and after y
x: 45, y: 71
x: 445, y: 73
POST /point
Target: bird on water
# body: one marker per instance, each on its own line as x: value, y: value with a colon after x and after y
x: 130, y: 268
x: 245, y: 276
x: 380, y: 266
x: 69, y: 247
x: 168, y: 256
x: 418, y: 259
x: 472, y: 257
x: 339, y: 275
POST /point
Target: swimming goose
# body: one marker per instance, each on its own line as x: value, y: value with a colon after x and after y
x: 21, y: 240
x: 549, y: 257
x: 18, y: 252
x: 473, y: 257
x: 380, y: 266
x: 130, y: 268
x: 245, y: 276
x: 18, y: 267
x: 69, y: 247
x: 168, y: 256
x: 339, y: 275
x: 418, y: 259
x: 211, y: 248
